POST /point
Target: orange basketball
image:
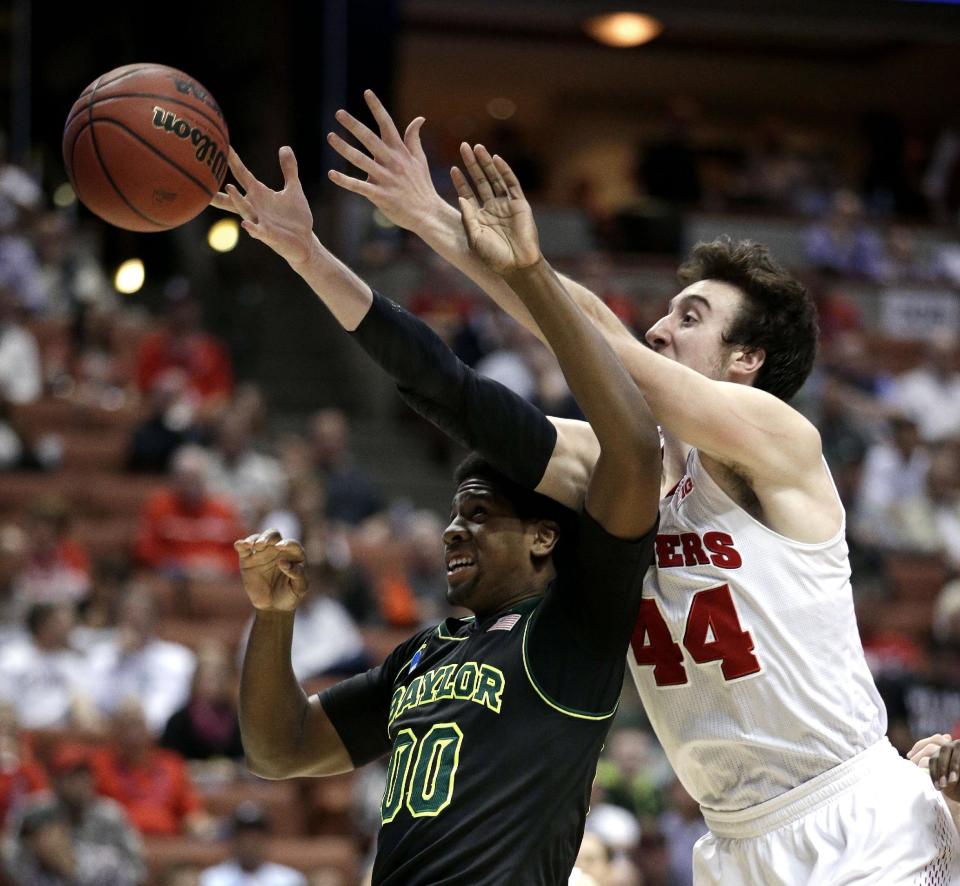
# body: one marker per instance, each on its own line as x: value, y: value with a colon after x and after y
x: 145, y: 147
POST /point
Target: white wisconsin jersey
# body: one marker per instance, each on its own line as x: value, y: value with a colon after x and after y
x: 746, y: 653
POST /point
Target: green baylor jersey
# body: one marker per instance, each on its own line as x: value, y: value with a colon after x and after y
x: 494, y: 726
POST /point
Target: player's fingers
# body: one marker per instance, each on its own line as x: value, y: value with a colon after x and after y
x: 245, y: 544
x: 266, y: 539
x: 927, y: 746
x: 289, y: 167
x: 359, y: 131
x: 480, y: 181
x: 291, y: 550
x: 223, y: 201
x: 362, y: 161
x: 388, y: 129
x: 411, y: 138
x: 490, y: 171
x: 240, y: 171
x: 509, y: 177
x: 241, y: 204
x: 460, y: 182
x: 354, y: 185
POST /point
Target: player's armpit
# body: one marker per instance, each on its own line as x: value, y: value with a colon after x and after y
x: 571, y: 465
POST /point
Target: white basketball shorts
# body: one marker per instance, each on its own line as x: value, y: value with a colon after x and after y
x: 876, y: 819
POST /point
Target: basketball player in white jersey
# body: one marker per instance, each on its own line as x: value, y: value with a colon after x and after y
x: 746, y: 655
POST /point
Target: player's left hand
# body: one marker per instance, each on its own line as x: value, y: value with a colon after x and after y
x: 497, y: 217
x: 280, y: 219
x: 945, y: 770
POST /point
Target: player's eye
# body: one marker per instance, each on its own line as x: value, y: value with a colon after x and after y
x: 689, y: 319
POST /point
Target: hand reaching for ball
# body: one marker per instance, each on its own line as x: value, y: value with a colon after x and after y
x: 280, y: 219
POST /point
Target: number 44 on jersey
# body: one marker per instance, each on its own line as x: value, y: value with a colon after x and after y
x: 713, y: 633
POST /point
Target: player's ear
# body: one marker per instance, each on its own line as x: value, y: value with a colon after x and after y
x: 546, y: 534
x: 745, y: 362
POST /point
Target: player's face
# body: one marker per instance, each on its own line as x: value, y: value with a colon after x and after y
x: 486, y: 548
x: 692, y: 331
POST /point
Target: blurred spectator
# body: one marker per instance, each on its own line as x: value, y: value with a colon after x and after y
x: 682, y: 825
x: 351, y: 496
x: 894, y: 472
x: 594, y: 859
x: 652, y: 857
x: 180, y: 343
x: 71, y: 279
x: 207, y: 726
x: 180, y: 873
x: 43, y: 676
x: 253, y: 481
x: 151, y: 783
x: 21, y: 380
x: 903, y: 261
x: 843, y: 439
x: 930, y: 394
x: 19, y: 191
x: 427, y: 572
x: 185, y: 529
x: 842, y: 243
x: 93, y: 820
x: 169, y: 424
x: 669, y: 165
x: 21, y: 775
x: 507, y: 362
x: 921, y: 704
x: 630, y: 773
x: 57, y: 568
x: 775, y: 173
x: 930, y: 522
x: 248, y: 865
x: 134, y: 663
x: 942, y: 176
x: 43, y: 852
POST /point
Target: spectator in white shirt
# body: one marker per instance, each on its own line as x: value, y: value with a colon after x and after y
x: 135, y: 663
x: 21, y: 377
x: 930, y: 394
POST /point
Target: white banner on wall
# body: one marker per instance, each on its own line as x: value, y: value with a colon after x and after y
x: 916, y: 313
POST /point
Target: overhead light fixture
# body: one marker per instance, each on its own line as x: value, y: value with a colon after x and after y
x: 623, y: 29
x: 129, y: 276
x: 223, y: 235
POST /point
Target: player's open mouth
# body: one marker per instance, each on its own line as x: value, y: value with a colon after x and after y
x: 457, y: 566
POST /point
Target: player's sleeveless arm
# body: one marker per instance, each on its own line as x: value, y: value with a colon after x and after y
x: 477, y: 412
x: 359, y: 707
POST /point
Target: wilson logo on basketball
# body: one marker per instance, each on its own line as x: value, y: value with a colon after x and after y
x: 207, y: 149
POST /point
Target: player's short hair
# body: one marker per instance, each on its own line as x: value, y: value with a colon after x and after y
x: 778, y: 313
x: 38, y: 615
x: 526, y: 504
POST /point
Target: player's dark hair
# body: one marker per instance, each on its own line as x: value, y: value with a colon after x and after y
x: 778, y: 313
x: 526, y: 504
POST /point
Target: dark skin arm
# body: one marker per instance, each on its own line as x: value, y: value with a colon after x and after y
x: 624, y: 488
x: 285, y: 734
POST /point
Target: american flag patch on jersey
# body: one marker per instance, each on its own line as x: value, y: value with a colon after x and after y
x: 505, y: 623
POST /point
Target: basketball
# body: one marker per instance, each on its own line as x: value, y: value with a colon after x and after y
x: 145, y: 147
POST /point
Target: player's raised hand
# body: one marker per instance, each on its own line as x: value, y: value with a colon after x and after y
x: 398, y: 178
x: 945, y: 769
x: 280, y: 219
x: 272, y: 570
x: 496, y: 216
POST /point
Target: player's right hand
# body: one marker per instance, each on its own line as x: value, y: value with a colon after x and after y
x: 398, y: 180
x: 945, y: 769
x: 272, y: 570
x: 280, y: 219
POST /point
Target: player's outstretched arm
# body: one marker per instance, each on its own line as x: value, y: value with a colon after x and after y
x: 285, y: 734
x: 500, y: 229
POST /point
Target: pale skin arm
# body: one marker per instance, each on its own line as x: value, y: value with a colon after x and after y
x: 500, y: 229
x: 285, y: 734
x: 746, y: 429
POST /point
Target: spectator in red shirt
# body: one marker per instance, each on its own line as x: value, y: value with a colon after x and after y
x: 184, y: 529
x: 180, y: 344
x: 152, y: 784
